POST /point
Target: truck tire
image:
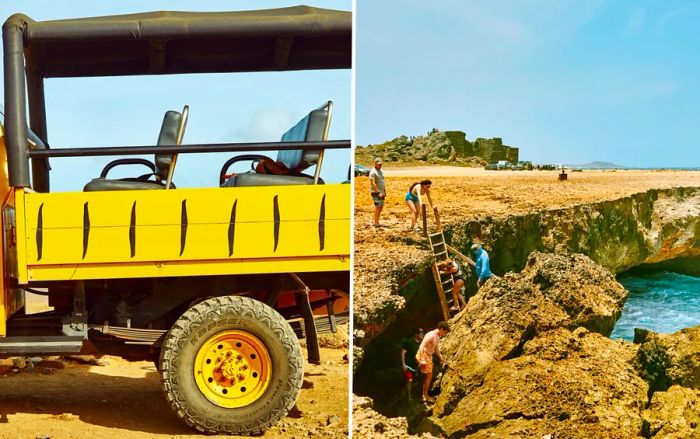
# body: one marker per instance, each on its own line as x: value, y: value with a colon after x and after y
x: 231, y: 365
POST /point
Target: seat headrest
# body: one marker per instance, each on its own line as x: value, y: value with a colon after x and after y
x: 313, y: 127
x: 167, y: 136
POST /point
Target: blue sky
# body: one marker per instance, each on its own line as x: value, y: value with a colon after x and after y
x: 223, y: 107
x: 566, y: 81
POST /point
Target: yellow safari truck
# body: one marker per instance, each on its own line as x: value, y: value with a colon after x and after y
x: 202, y: 281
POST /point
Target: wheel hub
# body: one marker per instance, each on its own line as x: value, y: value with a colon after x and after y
x: 232, y: 369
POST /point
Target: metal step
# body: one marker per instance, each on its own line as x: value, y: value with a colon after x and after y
x: 323, y: 325
x: 55, y: 344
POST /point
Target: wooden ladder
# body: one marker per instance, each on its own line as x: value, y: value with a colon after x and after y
x: 438, y: 247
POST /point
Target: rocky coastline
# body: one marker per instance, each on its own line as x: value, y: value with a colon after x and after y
x: 530, y: 354
x: 651, y: 227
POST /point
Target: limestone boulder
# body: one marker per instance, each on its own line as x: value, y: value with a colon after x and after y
x: 668, y: 359
x: 553, y: 291
x: 564, y: 383
x: 673, y: 414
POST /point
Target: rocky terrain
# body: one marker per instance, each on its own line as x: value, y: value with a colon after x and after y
x: 438, y: 147
x: 620, y: 219
x: 529, y: 357
x: 530, y: 354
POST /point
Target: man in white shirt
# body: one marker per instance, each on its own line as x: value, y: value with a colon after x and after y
x: 429, y: 346
x: 377, y: 189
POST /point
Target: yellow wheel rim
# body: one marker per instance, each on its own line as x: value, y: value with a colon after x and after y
x: 232, y: 369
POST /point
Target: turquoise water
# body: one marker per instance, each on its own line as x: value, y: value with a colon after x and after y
x: 660, y: 301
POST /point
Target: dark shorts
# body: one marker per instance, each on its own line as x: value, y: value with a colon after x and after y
x: 457, y: 277
x: 377, y: 201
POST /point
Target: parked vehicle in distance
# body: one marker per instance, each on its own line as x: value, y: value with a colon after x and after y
x: 525, y: 165
x: 361, y: 170
x: 499, y: 166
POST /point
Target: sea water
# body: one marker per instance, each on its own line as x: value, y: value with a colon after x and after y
x: 660, y: 301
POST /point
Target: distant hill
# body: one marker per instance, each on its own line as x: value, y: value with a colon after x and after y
x: 438, y: 147
x: 596, y: 165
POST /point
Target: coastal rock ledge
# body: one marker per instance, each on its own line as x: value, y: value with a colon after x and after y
x: 530, y: 356
x: 659, y: 227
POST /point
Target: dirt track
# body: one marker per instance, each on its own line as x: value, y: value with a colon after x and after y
x: 471, y: 193
x: 124, y: 400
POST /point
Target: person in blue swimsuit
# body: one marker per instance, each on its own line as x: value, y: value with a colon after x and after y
x: 413, y: 199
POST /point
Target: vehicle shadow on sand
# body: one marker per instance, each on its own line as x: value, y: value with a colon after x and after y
x: 88, y: 395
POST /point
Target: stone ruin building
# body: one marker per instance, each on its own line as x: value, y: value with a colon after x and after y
x: 492, y: 150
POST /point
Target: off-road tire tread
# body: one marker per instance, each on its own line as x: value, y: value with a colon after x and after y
x: 207, y: 311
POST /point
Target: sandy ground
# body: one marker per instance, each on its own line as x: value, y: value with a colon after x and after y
x: 124, y: 400
x: 461, y: 193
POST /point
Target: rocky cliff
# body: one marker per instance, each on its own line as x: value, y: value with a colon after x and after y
x: 545, y: 322
x: 529, y: 353
x: 645, y: 228
x: 529, y: 357
x: 653, y: 227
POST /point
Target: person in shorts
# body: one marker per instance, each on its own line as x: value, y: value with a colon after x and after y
x: 413, y: 200
x: 409, y: 365
x: 430, y: 346
x: 452, y: 267
x: 377, y: 189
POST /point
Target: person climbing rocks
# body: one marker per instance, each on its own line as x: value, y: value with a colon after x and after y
x: 482, y: 265
x: 409, y: 365
x: 413, y: 200
x: 451, y: 266
x: 430, y: 346
x: 377, y: 189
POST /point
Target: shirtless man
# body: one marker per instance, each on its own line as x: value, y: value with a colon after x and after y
x: 429, y: 346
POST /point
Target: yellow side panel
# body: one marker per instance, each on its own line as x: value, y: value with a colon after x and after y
x: 188, y: 268
x: 185, y: 228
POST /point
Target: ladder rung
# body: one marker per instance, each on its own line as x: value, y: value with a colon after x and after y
x: 436, y: 234
x: 440, y: 254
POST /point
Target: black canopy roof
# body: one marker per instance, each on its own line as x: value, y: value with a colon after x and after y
x: 295, y: 38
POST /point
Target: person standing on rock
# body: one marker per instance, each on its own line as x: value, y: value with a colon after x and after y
x: 377, y: 189
x: 430, y: 346
x: 409, y: 364
x: 482, y: 265
x: 413, y: 200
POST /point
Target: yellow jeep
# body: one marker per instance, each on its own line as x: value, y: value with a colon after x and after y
x: 203, y: 281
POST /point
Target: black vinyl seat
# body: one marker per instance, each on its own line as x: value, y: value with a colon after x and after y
x: 313, y: 127
x: 171, y: 132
